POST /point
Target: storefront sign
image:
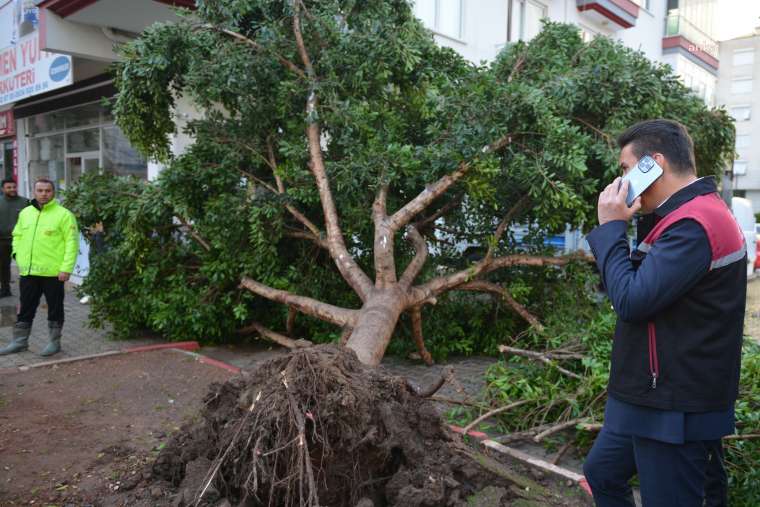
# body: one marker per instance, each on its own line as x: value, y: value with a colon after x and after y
x: 7, y: 125
x: 26, y: 70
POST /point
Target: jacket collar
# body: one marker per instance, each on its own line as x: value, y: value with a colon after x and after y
x: 694, y: 189
x: 52, y: 203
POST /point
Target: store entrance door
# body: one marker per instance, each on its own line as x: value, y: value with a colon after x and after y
x: 78, y: 164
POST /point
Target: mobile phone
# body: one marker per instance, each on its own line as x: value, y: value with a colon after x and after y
x: 640, y: 177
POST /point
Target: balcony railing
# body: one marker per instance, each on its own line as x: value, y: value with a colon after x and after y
x: 676, y: 25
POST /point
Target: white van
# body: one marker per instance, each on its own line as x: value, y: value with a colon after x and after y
x: 742, y: 209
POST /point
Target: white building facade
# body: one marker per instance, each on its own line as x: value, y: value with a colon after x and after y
x: 739, y: 92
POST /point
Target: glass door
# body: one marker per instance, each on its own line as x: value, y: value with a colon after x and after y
x: 78, y: 164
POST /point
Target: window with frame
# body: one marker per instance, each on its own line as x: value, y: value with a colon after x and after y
x: 741, y: 85
x: 740, y: 167
x: 59, y: 139
x: 743, y: 141
x: 740, y: 113
x: 441, y: 16
x: 587, y: 34
x: 526, y: 19
x: 743, y: 56
x: 646, y: 4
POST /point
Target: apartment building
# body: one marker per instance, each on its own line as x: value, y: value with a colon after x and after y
x: 738, y: 92
x: 676, y: 32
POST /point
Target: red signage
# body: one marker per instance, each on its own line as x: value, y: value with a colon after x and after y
x: 15, y: 160
x: 7, y: 125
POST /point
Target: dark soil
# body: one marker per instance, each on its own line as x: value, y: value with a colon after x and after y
x: 319, y: 428
x: 315, y: 427
x: 73, y: 434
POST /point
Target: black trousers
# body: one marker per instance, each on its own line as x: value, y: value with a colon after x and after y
x: 6, y: 246
x: 686, y: 475
x: 31, y: 289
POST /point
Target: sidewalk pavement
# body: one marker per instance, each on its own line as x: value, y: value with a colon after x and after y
x: 78, y: 339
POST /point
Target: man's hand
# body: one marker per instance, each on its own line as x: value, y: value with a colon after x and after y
x: 612, y: 204
x: 63, y: 277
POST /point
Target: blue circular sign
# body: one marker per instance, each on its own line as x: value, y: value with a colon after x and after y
x: 60, y: 68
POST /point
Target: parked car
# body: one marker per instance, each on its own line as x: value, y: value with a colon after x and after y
x: 745, y: 216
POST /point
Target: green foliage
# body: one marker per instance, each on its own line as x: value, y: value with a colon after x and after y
x: 741, y: 455
x: 395, y: 109
x: 578, y: 321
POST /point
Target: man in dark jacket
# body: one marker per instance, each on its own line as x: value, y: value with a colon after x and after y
x: 680, y: 298
x: 11, y: 205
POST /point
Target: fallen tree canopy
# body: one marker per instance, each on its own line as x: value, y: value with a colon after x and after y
x: 347, y: 169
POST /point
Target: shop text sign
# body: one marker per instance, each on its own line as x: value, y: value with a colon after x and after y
x: 26, y: 70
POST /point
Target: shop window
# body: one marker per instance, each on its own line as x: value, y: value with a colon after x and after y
x: 119, y: 157
x: 46, y: 159
x: 83, y: 140
x: 49, y: 122
x: 83, y: 116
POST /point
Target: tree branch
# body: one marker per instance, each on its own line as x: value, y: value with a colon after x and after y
x: 385, y: 259
x: 557, y: 428
x: 607, y: 138
x: 419, y: 339
x: 537, y: 356
x: 197, y: 237
x: 345, y: 335
x: 492, y: 413
x: 423, y: 223
x: 309, y: 236
x: 255, y: 327
x: 420, y: 256
x: 433, y: 191
x: 502, y: 227
x: 272, y: 163
x: 431, y: 289
x: 484, y: 286
x: 309, y: 306
x: 258, y: 47
x: 290, y: 322
x: 346, y: 264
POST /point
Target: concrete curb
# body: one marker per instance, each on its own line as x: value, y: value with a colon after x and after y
x: 211, y: 362
x: 186, y: 346
x: 551, y: 468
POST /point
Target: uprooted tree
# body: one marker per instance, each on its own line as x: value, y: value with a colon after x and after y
x: 343, y: 164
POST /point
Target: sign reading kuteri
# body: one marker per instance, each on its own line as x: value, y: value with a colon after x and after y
x: 26, y: 70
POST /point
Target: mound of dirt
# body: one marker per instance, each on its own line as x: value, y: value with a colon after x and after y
x: 317, y: 427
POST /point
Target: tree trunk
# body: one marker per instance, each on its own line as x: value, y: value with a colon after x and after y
x: 375, y: 324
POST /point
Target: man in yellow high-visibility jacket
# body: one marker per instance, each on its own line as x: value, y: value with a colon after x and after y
x: 45, y: 246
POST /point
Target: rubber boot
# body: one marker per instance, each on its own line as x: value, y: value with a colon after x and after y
x: 20, y: 340
x: 54, y: 333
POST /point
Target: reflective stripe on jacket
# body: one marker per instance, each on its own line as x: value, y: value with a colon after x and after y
x: 45, y: 241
